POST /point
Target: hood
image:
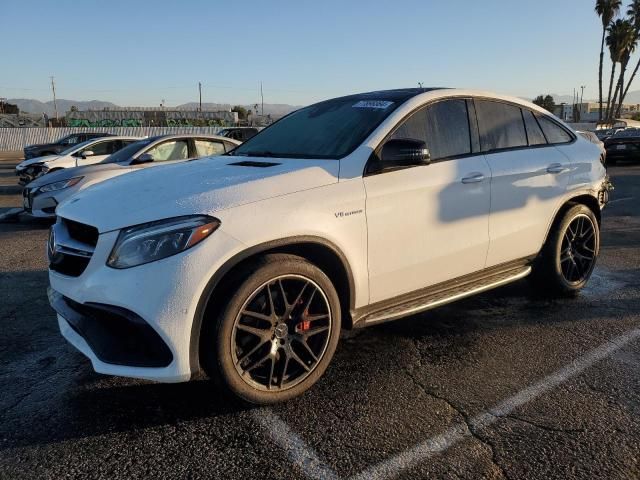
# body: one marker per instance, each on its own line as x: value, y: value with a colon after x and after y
x: 205, y: 186
x: 67, y: 173
x: 31, y: 161
x: 38, y: 146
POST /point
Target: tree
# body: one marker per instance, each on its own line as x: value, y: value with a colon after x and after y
x: 628, y: 42
x: 606, y: 10
x: 634, y: 16
x: 242, y: 112
x: 546, y: 102
x: 617, y: 33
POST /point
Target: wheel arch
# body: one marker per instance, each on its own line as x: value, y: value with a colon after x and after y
x: 319, y: 251
x: 586, y: 199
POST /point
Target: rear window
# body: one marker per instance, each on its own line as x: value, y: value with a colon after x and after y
x: 501, y: 125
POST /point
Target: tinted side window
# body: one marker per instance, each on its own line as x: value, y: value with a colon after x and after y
x: 207, y: 148
x: 501, y: 125
x: 533, y: 129
x: 171, y: 150
x: 102, y: 148
x: 554, y: 132
x: 443, y: 126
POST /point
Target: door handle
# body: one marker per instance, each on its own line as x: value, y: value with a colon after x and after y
x: 476, y: 177
x: 556, y: 168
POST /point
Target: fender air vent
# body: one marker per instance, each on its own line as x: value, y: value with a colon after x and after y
x: 249, y: 163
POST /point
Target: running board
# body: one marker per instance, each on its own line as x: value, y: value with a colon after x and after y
x: 440, y: 294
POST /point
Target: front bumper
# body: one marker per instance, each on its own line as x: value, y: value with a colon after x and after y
x: 39, y: 205
x: 29, y: 173
x: 114, y: 335
x: 163, y: 295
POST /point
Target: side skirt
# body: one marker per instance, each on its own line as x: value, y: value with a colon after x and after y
x: 442, y: 293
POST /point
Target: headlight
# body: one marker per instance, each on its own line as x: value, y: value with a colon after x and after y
x: 156, y: 240
x: 52, y: 187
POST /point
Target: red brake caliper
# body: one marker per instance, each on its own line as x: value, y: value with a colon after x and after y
x: 304, y: 325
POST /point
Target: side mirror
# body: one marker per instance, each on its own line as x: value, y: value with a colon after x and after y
x: 144, y: 158
x: 87, y: 153
x: 404, y: 152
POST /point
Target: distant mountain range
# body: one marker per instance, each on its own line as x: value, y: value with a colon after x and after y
x: 28, y: 105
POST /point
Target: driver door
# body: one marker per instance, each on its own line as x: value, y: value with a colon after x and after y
x: 429, y: 223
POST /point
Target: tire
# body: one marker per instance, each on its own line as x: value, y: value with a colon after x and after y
x: 562, y: 268
x: 257, y: 352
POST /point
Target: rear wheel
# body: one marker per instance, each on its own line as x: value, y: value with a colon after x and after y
x: 277, y: 335
x: 569, y: 255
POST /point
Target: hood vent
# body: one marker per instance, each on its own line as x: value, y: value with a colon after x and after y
x: 249, y: 163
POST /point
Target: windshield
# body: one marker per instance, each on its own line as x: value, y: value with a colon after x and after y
x: 223, y: 132
x: 76, y: 147
x: 65, y: 140
x: 126, y: 153
x: 330, y: 129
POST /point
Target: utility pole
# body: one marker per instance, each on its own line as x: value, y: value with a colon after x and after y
x: 200, y: 92
x: 582, y: 87
x: 55, y: 104
x: 262, y: 97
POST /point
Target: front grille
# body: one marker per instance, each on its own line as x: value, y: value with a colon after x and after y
x: 81, y: 232
x: 71, y: 246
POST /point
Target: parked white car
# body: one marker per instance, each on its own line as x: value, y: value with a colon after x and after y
x: 87, y: 153
x: 42, y: 196
x: 347, y: 213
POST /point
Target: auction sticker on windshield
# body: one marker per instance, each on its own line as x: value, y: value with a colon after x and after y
x: 382, y: 104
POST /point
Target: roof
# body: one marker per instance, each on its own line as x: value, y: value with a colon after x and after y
x: 397, y: 95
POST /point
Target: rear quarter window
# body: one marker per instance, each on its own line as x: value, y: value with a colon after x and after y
x: 554, y: 132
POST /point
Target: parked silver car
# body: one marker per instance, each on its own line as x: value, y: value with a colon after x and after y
x: 42, y: 196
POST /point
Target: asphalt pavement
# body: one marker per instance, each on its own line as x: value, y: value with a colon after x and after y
x: 502, y: 385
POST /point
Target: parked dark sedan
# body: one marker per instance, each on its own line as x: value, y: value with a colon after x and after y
x: 40, y: 150
x: 622, y: 147
x: 242, y: 134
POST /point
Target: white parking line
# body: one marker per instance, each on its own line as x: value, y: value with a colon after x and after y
x: 299, y: 453
x: 308, y: 461
x: 620, y: 199
x: 410, y: 458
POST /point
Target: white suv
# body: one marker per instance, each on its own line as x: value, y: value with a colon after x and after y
x: 350, y: 212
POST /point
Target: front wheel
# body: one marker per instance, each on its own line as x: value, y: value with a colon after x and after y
x: 569, y: 255
x: 277, y: 334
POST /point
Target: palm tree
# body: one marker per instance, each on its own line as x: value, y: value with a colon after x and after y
x: 606, y: 10
x: 634, y: 16
x: 616, y: 41
x: 627, y: 42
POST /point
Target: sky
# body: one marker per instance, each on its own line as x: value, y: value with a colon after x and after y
x: 137, y: 53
